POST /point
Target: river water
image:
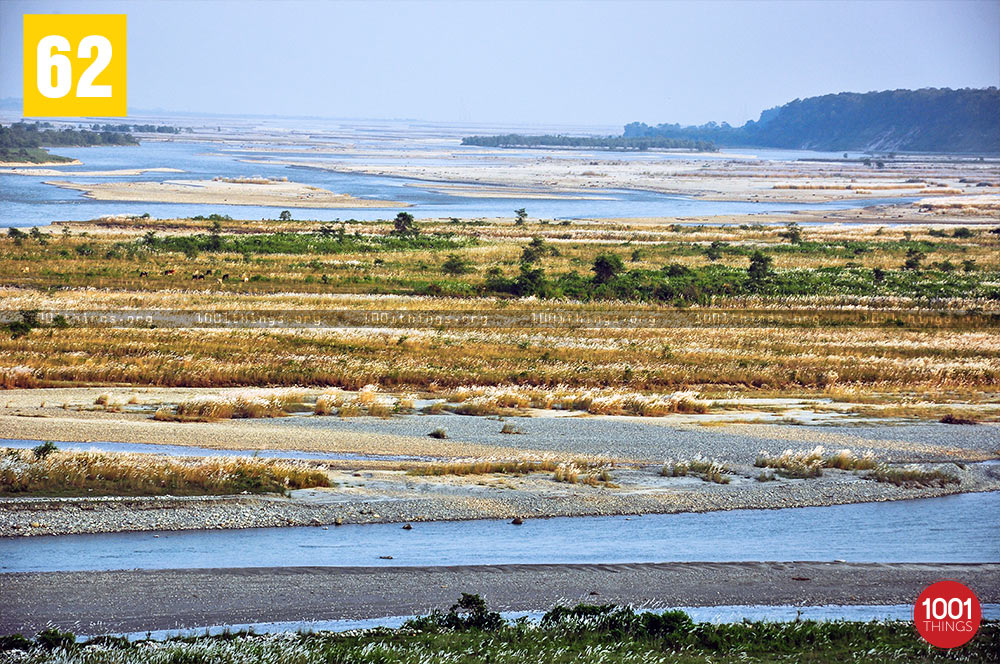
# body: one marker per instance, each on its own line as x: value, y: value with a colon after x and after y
x: 959, y: 528
x: 27, y: 201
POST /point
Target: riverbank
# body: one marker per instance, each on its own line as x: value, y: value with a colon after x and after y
x: 93, y: 602
x: 389, y: 470
x: 708, y: 178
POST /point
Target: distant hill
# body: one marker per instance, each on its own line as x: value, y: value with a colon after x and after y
x: 928, y: 120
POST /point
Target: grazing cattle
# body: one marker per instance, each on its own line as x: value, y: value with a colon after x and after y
x: 166, y: 272
x: 225, y: 277
x: 143, y: 274
x: 197, y: 276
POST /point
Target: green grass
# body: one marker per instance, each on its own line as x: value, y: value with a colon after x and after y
x: 470, y: 633
x: 320, y: 243
x: 30, y: 155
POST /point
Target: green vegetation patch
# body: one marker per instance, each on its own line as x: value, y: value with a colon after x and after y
x: 470, y: 633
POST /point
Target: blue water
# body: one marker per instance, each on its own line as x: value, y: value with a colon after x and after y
x: 960, y: 528
x: 27, y: 201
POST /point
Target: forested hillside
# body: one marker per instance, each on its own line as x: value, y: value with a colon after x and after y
x: 928, y: 120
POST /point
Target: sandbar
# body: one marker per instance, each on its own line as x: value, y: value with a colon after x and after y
x: 274, y: 193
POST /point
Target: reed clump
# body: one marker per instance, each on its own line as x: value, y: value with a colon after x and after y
x: 367, y: 401
x: 62, y: 472
x: 803, y: 464
x: 243, y: 404
x: 15, y: 377
x: 505, y: 399
x: 708, y: 470
x: 912, y: 476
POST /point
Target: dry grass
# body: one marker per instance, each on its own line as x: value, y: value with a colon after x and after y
x: 912, y: 476
x: 505, y: 399
x: 707, y: 469
x: 18, y: 376
x: 485, y: 467
x: 243, y: 404
x: 366, y: 401
x: 810, y: 463
x: 105, y: 473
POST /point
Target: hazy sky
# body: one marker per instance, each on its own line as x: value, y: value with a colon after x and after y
x: 553, y: 62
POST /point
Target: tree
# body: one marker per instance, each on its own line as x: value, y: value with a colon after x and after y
x: 714, y: 251
x: 215, y: 236
x: 16, y: 235
x: 285, y: 215
x: 534, y: 251
x: 456, y: 265
x: 760, y: 266
x: 792, y: 233
x: 522, y: 216
x: 607, y: 267
x: 530, y: 281
x: 914, y: 257
x: 404, y: 225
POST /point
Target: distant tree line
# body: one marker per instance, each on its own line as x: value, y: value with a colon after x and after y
x: 601, y: 142
x: 25, y: 135
x: 147, y: 128
x: 928, y: 120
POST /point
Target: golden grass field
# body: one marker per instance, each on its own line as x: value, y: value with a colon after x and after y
x: 108, y: 265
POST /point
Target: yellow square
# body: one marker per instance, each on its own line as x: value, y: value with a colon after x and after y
x: 74, y: 65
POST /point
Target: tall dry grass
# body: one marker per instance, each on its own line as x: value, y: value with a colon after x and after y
x: 243, y: 404
x: 810, y: 463
x: 493, y: 400
x: 105, y: 473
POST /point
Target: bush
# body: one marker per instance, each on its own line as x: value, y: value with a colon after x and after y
x: 607, y: 267
x: 52, y: 638
x: 456, y: 265
x: 15, y: 642
x: 469, y: 613
x: 45, y: 449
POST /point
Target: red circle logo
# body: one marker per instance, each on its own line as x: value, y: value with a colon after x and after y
x: 947, y: 614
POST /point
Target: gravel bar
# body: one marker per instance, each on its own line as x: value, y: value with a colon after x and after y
x: 139, y: 600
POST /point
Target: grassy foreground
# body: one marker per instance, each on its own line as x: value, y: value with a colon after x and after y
x: 469, y: 632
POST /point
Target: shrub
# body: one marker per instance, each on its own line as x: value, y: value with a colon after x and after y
x: 45, y: 449
x: 52, y: 638
x: 469, y: 613
x: 456, y: 265
x: 15, y: 642
x: 955, y: 419
x: 607, y: 267
x: 439, y: 433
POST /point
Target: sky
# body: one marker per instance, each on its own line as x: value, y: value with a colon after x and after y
x: 570, y: 63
